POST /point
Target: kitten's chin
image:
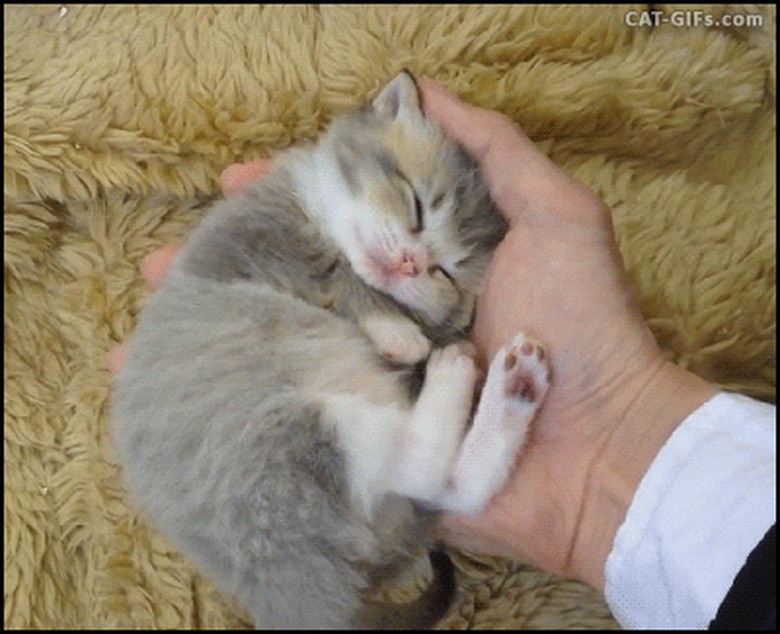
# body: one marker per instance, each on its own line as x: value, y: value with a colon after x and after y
x: 424, y: 299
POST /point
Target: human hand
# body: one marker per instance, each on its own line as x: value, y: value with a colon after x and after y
x: 155, y: 266
x: 614, y: 400
x: 558, y: 275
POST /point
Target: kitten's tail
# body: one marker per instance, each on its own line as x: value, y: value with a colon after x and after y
x: 423, y: 612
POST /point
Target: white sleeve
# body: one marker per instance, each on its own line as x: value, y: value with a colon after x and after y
x: 703, y: 506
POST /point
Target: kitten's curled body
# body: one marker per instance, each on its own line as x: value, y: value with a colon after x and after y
x: 264, y: 418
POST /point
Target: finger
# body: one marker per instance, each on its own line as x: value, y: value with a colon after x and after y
x: 507, y: 156
x: 156, y: 265
x: 116, y: 358
x: 234, y: 179
x: 476, y: 129
x: 521, y: 177
x: 237, y: 177
x: 468, y: 532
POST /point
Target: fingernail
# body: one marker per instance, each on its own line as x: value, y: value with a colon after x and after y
x: 155, y: 266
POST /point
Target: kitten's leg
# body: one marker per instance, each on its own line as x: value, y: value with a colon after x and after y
x: 434, y: 431
x: 517, y: 381
x: 396, y: 337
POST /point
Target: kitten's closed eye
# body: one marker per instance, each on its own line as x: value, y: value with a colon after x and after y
x: 444, y: 272
x: 418, y: 225
x: 437, y: 201
x: 418, y: 214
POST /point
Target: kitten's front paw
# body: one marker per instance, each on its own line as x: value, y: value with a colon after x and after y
x: 526, y: 373
x: 397, y: 338
x: 453, y: 367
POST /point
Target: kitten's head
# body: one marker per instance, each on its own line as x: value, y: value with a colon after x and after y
x: 408, y: 206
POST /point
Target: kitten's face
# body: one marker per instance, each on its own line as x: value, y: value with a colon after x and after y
x: 407, y: 206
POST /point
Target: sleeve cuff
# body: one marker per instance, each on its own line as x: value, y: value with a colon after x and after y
x: 706, y: 501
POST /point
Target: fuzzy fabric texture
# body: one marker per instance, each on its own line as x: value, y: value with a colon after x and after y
x: 119, y: 120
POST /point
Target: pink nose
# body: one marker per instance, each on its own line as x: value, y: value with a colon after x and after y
x: 413, y: 263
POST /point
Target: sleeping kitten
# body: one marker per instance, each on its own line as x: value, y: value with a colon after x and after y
x: 267, y: 417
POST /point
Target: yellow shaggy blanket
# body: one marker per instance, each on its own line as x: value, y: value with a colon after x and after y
x: 118, y: 119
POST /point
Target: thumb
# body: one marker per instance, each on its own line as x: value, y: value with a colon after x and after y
x: 477, y: 129
x: 521, y: 178
x: 237, y: 177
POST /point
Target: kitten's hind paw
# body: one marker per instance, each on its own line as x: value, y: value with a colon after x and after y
x: 517, y: 382
x: 527, y: 371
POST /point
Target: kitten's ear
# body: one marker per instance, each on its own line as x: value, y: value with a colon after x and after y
x: 399, y: 99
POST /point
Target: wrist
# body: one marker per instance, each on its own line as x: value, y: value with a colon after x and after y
x: 642, y: 425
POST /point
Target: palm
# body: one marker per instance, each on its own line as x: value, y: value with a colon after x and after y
x: 555, y: 276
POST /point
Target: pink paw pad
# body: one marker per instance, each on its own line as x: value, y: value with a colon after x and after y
x: 527, y: 374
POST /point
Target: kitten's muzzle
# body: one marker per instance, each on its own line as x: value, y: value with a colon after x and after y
x: 412, y: 262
